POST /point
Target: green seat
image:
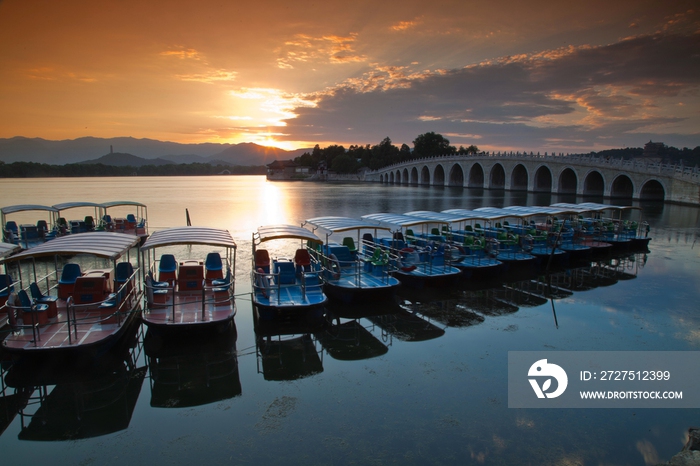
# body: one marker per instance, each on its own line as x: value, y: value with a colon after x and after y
x: 379, y: 257
x: 350, y: 243
x: 410, y: 237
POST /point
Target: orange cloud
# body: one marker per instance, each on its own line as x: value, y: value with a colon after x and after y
x: 325, y: 49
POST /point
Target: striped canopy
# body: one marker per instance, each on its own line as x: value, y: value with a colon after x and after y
x: 96, y: 243
x: 189, y: 235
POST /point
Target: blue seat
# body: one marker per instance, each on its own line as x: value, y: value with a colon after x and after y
x: 38, y: 308
x: 11, y: 232
x: 286, y: 271
x: 6, y: 287
x: 167, y: 268
x: 71, y: 272
x: 123, y: 275
x: 342, y: 253
x: 40, y: 298
x: 213, y: 266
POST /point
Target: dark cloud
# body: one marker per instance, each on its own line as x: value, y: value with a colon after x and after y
x: 607, y: 93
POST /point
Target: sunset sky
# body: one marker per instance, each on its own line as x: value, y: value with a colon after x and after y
x: 562, y: 76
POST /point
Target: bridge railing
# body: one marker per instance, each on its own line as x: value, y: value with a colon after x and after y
x: 678, y: 171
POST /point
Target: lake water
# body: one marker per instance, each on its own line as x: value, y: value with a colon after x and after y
x: 425, y: 385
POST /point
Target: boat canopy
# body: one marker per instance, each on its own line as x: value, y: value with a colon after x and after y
x: 539, y: 210
x: 478, y: 214
x: 7, y: 249
x: 189, y: 235
x: 445, y: 217
x: 271, y: 232
x: 96, y: 243
x: 398, y: 220
x: 24, y: 207
x: 107, y: 205
x: 73, y: 205
x: 340, y: 224
x: 593, y: 205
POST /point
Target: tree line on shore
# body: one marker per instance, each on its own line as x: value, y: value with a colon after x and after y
x: 341, y: 160
x: 43, y: 170
x: 334, y: 157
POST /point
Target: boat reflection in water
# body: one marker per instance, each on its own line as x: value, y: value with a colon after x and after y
x: 287, y: 349
x: 471, y: 303
x: 201, y: 371
x: 346, y: 338
x: 64, y: 402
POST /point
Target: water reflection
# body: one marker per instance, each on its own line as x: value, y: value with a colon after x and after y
x: 287, y: 349
x: 192, y: 373
x: 90, y: 398
x: 350, y: 341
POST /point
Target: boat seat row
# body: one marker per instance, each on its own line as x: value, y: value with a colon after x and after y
x: 300, y: 263
x: 191, y: 273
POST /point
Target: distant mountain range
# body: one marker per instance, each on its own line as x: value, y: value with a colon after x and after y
x: 137, y: 152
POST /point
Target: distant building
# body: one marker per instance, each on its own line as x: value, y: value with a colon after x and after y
x: 286, y: 170
x: 654, y: 151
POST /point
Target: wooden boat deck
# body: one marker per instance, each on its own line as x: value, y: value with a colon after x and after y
x: 185, y: 308
x: 93, y: 326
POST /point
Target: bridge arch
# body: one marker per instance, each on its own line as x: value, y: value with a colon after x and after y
x: 456, y: 176
x: 497, y: 178
x: 622, y: 186
x: 594, y: 184
x: 518, y: 178
x: 543, y: 180
x: 568, y: 182
x: 414, y: 175
x: 404, y: 177
x: 652, y: 190
x: 425, y: 175
x: 439, y: 176
x: 476, y: 176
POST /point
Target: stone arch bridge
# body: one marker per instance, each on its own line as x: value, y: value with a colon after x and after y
x: 558, y: 174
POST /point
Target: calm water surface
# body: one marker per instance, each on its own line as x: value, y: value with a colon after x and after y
x: 426, y: 384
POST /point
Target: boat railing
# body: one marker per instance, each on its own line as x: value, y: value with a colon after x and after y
x: 112, y: 309
x: 213, y: 293
x: 308, y: 280
x: 15, y: 309
x: 375, y: 259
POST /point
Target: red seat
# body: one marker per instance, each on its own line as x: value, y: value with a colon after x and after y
x: 302, y: 257
x: 262, y: 260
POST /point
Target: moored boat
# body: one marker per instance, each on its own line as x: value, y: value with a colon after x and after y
x: 500, y: 242
x: 421, y: 253
x: 80, y: 308
x: 26, y: 234
x: 473, y: 260
x: 355, y: 269
x: 189, y: 279
x: 285, y: 287
x: 131, y: 218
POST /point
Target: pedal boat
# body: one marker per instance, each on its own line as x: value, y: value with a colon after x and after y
x: 80, y: 308
x: 354, y: 269
x: 286, y: 287
x: 189, y: 280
